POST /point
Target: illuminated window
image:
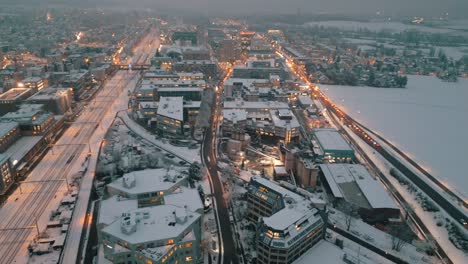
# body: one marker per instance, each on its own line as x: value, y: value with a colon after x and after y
x: 189, y: 244
x: 170, y: 242
x: 189, y: 258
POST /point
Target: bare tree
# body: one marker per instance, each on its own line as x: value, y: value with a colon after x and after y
x: 349, y: 211
x: 401, y: 235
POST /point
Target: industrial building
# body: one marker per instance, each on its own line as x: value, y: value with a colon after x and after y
x: 354, y: 185
x: 330, y: 146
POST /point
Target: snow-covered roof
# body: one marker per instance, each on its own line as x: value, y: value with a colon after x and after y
x: 330, y: 139
x: 145, y: 181
x: 152, y: 224
x: 234, y: 115
x: 322, y: 252
x: 284, y: 123
x: 305, y: 100
x: 111, y: 209
x: 148, y: 104
x: 6, y: 127
x: 49, y: 93
x: 171, y: 107
x: 185, y: 196
x: 21, y: 147
x: 173, y: 83
x: 255, y: 105
x: 245, y: 82
x: 352, y: 180
x: 14, y: 93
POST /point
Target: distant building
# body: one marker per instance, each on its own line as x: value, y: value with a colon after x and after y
x: 229, y: 51
x: 207, y: 67
x: 35, y: 83
x: 55, y: 100
x: 185, y: 38
x: 32, y: 119
x: 12, y: 97
x: 246, y: 40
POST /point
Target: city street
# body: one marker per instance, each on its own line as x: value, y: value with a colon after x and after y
x: 228, y: 250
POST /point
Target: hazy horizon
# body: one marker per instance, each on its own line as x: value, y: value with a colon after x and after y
x: 455, y: 8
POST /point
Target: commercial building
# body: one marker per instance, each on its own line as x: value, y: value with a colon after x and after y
x: 352, y: 184
x: 207, y: 67
x: 32, y: 119
x: 170, y: 116
x: 330, y: 146
x: 152, y: 218
x: 246, y: 40
x: 266, y: 118
x: 6, y: 174
x: 185, y: 38
x: 12, y: 97
x: 55, y: 100
x: 287, y: 223
x: 35, y: 83
x: 9, y: 133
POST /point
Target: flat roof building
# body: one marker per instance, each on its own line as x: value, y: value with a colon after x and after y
x: 329, y: 145
x: 170, y: 115
x: 151, y: 218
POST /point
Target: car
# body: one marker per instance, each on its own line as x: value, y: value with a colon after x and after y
x: 182, y: 162
x: 170, y: 156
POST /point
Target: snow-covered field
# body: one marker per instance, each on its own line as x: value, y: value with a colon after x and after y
x: 428, y: 121
x: 377, y: 26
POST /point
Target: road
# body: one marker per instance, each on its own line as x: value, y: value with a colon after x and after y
x: 228, y: 250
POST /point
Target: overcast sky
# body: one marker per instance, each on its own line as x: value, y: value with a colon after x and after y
x: 247, y: 7
x: 434, y: 7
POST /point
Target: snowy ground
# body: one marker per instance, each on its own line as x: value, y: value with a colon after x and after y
x: 378, y: 26
x: 191, y: 155
x: 427, y: 120
x: 430, y: 219
x: 379, y: 239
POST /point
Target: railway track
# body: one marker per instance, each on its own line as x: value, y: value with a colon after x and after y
x: 17, y: 224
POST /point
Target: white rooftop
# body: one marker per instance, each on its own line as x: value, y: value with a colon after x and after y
x: 330, y: 139
x: 144, y: 181
x: 49, y: 93
x: 234, y: 115
x: 284, y: 123
x: 171, y: 107
x: 305, y: 100
x: 152, y: 224
x: 322, y: 252
x: 337, y: 175
x: 6, y: 127
x: 255, y: 105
